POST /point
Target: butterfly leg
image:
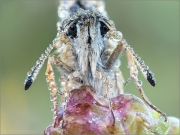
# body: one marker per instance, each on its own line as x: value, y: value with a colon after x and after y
x: 132, y: 58
x: 54, y: 61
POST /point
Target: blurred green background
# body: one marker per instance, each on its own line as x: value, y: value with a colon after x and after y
x: 28, y: 27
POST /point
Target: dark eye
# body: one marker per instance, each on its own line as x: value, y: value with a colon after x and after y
x: 72, y: 31
x: 104, y: 29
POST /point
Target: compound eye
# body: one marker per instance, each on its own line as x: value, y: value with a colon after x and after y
x: 72, y: 31
x: 104, y: 29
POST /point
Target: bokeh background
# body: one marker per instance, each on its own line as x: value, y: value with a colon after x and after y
x: 28, y: 27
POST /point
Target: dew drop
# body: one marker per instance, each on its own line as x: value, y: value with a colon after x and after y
x: 63, y: 14
x: 76, y: 74
x: 152, y: 74
x: 46, y: 73
x: 29, y: 73
x: 136, y: 56
x: 32, y: 69
x: 132, y: 49
x: 52, y: 108
x: 49, y: 88
x: 45, y: 57
x: 142, y: 62
x: 70, y: 76
x: 47, y: 80
x: 52, y: 83
x: 54, y: 41
x: 48, y: 49
x: 40, y: 66
x: 90, y: 121
x: 51, y: 98
x: 139, y: 58
x: 51, y: 46
x: 38, y: 62
x: 140, y: 83
x: 32, y: 77
x: 46, y: 52
x: 55, y: 117
x: 42, y: 57
x: 62, y: 76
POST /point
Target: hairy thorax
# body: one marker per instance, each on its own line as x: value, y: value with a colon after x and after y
x: 87, y: 41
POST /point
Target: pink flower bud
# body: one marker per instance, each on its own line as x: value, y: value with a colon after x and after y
x: 89, y: 113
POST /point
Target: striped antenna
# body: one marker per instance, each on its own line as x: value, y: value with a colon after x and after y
x: 143, y: 68
x: 31, y: 75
